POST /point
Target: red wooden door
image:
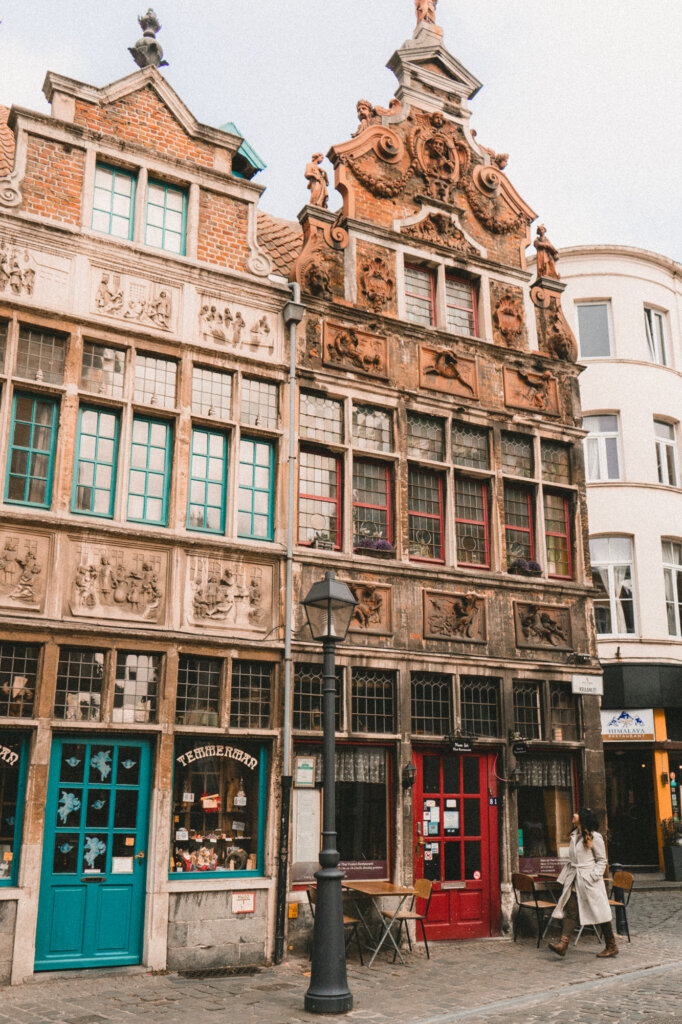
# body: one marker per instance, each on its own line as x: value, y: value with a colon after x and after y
x: 456, y: 843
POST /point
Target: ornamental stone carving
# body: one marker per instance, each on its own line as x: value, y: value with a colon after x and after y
x: 313, y: 338
x: 442, y: 370
x: 547, y: 254
x: 542, y: 626
x: 509, y: 317
x: 531, y: 389
x: 17, y: 270
x: 555, y: 337
x: 488, y: 193
x: 24, y: 563
x: 378, y: 285
x: 134, y: 300
x: 438, y: 155
x: 454, y: 617
x: 426, y: 11
x: 369, y: 115
x: 352, y: 349
x: 220, y: 324
x: 372, y: 614
x: 229, y: 594
x: 108, y: 582
x: 318, y: 180
x: 440, y: 229
x: 147, y: 51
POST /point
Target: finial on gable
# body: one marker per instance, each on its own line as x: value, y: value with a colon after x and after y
x: 147, y: 51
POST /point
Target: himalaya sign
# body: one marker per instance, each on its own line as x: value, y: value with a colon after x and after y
x: 628, y: 725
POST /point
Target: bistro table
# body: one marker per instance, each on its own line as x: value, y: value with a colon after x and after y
x: 374, y: 890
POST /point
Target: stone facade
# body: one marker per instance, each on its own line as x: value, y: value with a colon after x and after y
x: 143, y: 544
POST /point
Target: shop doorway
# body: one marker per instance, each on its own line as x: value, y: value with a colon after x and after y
x: 456, y: 842
x: 92, y: 891
x: 631, y: 808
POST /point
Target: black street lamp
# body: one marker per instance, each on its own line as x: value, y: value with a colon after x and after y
x: 329, y: 609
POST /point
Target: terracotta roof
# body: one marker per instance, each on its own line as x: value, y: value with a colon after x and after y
x: 6, y: 144
x: 281, y: 239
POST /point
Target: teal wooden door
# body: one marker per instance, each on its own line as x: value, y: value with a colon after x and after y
x: 92, y: 889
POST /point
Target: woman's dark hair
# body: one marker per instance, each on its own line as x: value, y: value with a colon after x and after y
x: 588, y: 819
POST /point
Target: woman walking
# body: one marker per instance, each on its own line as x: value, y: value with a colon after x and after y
x: 584, y: 896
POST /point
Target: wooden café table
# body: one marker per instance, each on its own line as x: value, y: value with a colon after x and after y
x: 374, y: 890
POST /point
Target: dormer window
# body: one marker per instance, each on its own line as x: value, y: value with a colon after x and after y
x: 113, y: 202
x: 166, y: 217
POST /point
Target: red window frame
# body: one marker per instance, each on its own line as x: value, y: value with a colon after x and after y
x: 316, y: 497
x: 465, y: 309
x: 521, y: 529
x: 430, y: 273
x: 429, y: 515
x: 566, y: 535
x: 475, y: 522
x: 388, y: 507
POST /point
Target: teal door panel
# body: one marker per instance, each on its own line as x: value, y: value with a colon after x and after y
x: 92, y: 889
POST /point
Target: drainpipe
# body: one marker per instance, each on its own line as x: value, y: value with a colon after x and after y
x: 293, y: 314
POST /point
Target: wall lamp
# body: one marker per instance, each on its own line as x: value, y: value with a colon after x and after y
x: 578, y: 659
x: 409, y: 776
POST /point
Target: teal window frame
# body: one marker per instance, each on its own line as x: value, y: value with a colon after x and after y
x: 11, y: 880
x: 207, y: 480
x: 250, y: 490
x: 262, y: 797
x: 153, y: 183
x: 32, y: 451
x: 95, y: 461
x: 148, y: 471
x: 117, y: 172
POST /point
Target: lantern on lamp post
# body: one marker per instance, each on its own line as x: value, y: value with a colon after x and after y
x: 329, y: 609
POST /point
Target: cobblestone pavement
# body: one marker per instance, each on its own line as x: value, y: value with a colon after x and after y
x: 483, y: 982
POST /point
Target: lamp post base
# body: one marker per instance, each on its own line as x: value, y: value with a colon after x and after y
x: 328, y: 1004
x: 328, y: 991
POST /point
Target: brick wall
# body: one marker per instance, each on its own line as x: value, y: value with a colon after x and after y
x: 222, y: 231
x: 53, y: 184
x: 143, y: 118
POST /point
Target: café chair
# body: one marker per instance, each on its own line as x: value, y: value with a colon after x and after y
x: 348, y: 922
x: 527, y: 900
x: 624, y: 881
x: 422, y: 891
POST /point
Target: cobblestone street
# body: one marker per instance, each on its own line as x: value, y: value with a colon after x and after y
x: 487, y: 981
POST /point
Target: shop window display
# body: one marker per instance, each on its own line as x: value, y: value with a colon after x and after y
x: 13, y: 760
x: 218, y: 806
x: 546, y: 804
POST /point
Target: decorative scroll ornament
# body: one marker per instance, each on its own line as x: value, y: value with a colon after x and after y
x: 439, y: 229
x: 437, y: 156
x: 377, y: 283
x: 555, y: 337
x: 17, y: 270
x: 483, y: 188
x: 147, y: 51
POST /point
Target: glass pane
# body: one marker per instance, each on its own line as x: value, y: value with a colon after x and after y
x: 451, y: 774
x: 65, y: 859
x: 431, y: 766
x: 472, y: 817
x: 97, y: 815
x: 100, y: 764
x: 472, y: 858
x: 452, y: 867
x: 73, y: 762
x: 471, y: 774
x: 593, y: 329
x: 128, y: 771
x: 69, y: 807
x: 95, y: 853
x: 125, y: 809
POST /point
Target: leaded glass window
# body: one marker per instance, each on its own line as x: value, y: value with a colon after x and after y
x: 460, y: 305
x: 259, y: 403
x: 198, y: 696
x: 425, y: 514
x: 470, y: 446
x: 79, y: 685
x: 94, y: 484
x: 256, y: 488
x: 155, y: 381
x: 563, y: 708
x: 480, y: 705
x: 372, y: 518
x: 136, y: 687
x: 40, y: 355
x: 102, y: 370
x: 149, y: 477
x: 18, y: 678
x: 471, y: 522
x: 33, y: 437
x: 372, y: 428
x: 527, y: 709
x: 372, y: 700
x: 420, y: 295
x: 250, y: 696
x: 320, y: 417
x: 4, y: 330
x: 517, y: 454
x: 431, y: 703
x: 425, y: 437
x: 556, y: 462
x: 319, y: 508
x: 207, y: 481
x: 307, y: 704
x: 558, y: 535
x: 211, y: 393
x: 518, y: 514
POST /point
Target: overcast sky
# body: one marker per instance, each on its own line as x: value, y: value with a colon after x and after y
x: 585, y: 95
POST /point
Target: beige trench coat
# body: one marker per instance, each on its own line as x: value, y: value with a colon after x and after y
x: 585, y: 869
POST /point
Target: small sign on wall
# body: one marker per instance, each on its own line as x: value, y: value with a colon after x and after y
x: 589, y: 684
x: 243, y: 902
x: 304, y: 775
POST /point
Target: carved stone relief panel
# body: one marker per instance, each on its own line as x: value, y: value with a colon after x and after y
x: 531, y: 389
x: 440, y: 229
x: 351, y: 349
x: 454, y: 617
x: 106, y: 581
x: 442, y: 370
x: 241, y: 330
x: 24, y: 564
x: 32, y: 275
x: 373, y: 612
x: 228, y: 594
x: 509, y: 318
x: 545, y: 626
x: 376, y: 278
x: 134, y: 300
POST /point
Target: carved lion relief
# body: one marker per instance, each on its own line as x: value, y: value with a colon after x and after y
x: 442, y: 370
x: 356, y: 350
x: 454, y: 617
x: 542, y: 626
x: 535, y: 390
x: 372, y: 613
x: 509, y: 317
x: 228, y: 594
x: 24, y: 564
x: 119, y: 583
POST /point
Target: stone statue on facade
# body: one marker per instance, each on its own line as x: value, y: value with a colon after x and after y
x: 426, y: 11
x: 547, y: 254
x: 147, y: 51
x: 318, y: 180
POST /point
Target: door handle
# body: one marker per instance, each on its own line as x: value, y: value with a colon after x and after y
x: 139, y: 856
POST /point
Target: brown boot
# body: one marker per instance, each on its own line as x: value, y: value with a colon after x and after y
x: 610, y: 949
x: 559, y: 947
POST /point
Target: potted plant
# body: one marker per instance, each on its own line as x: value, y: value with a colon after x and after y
x: 522, y: 567
x: 376, y: 546
x: 671, y: 829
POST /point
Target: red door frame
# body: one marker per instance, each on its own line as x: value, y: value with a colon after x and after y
x: 470, y: 908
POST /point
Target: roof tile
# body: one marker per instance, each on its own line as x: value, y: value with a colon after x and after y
x: 282, y: 239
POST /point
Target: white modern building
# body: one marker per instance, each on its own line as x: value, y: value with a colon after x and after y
x: 625, y: 306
